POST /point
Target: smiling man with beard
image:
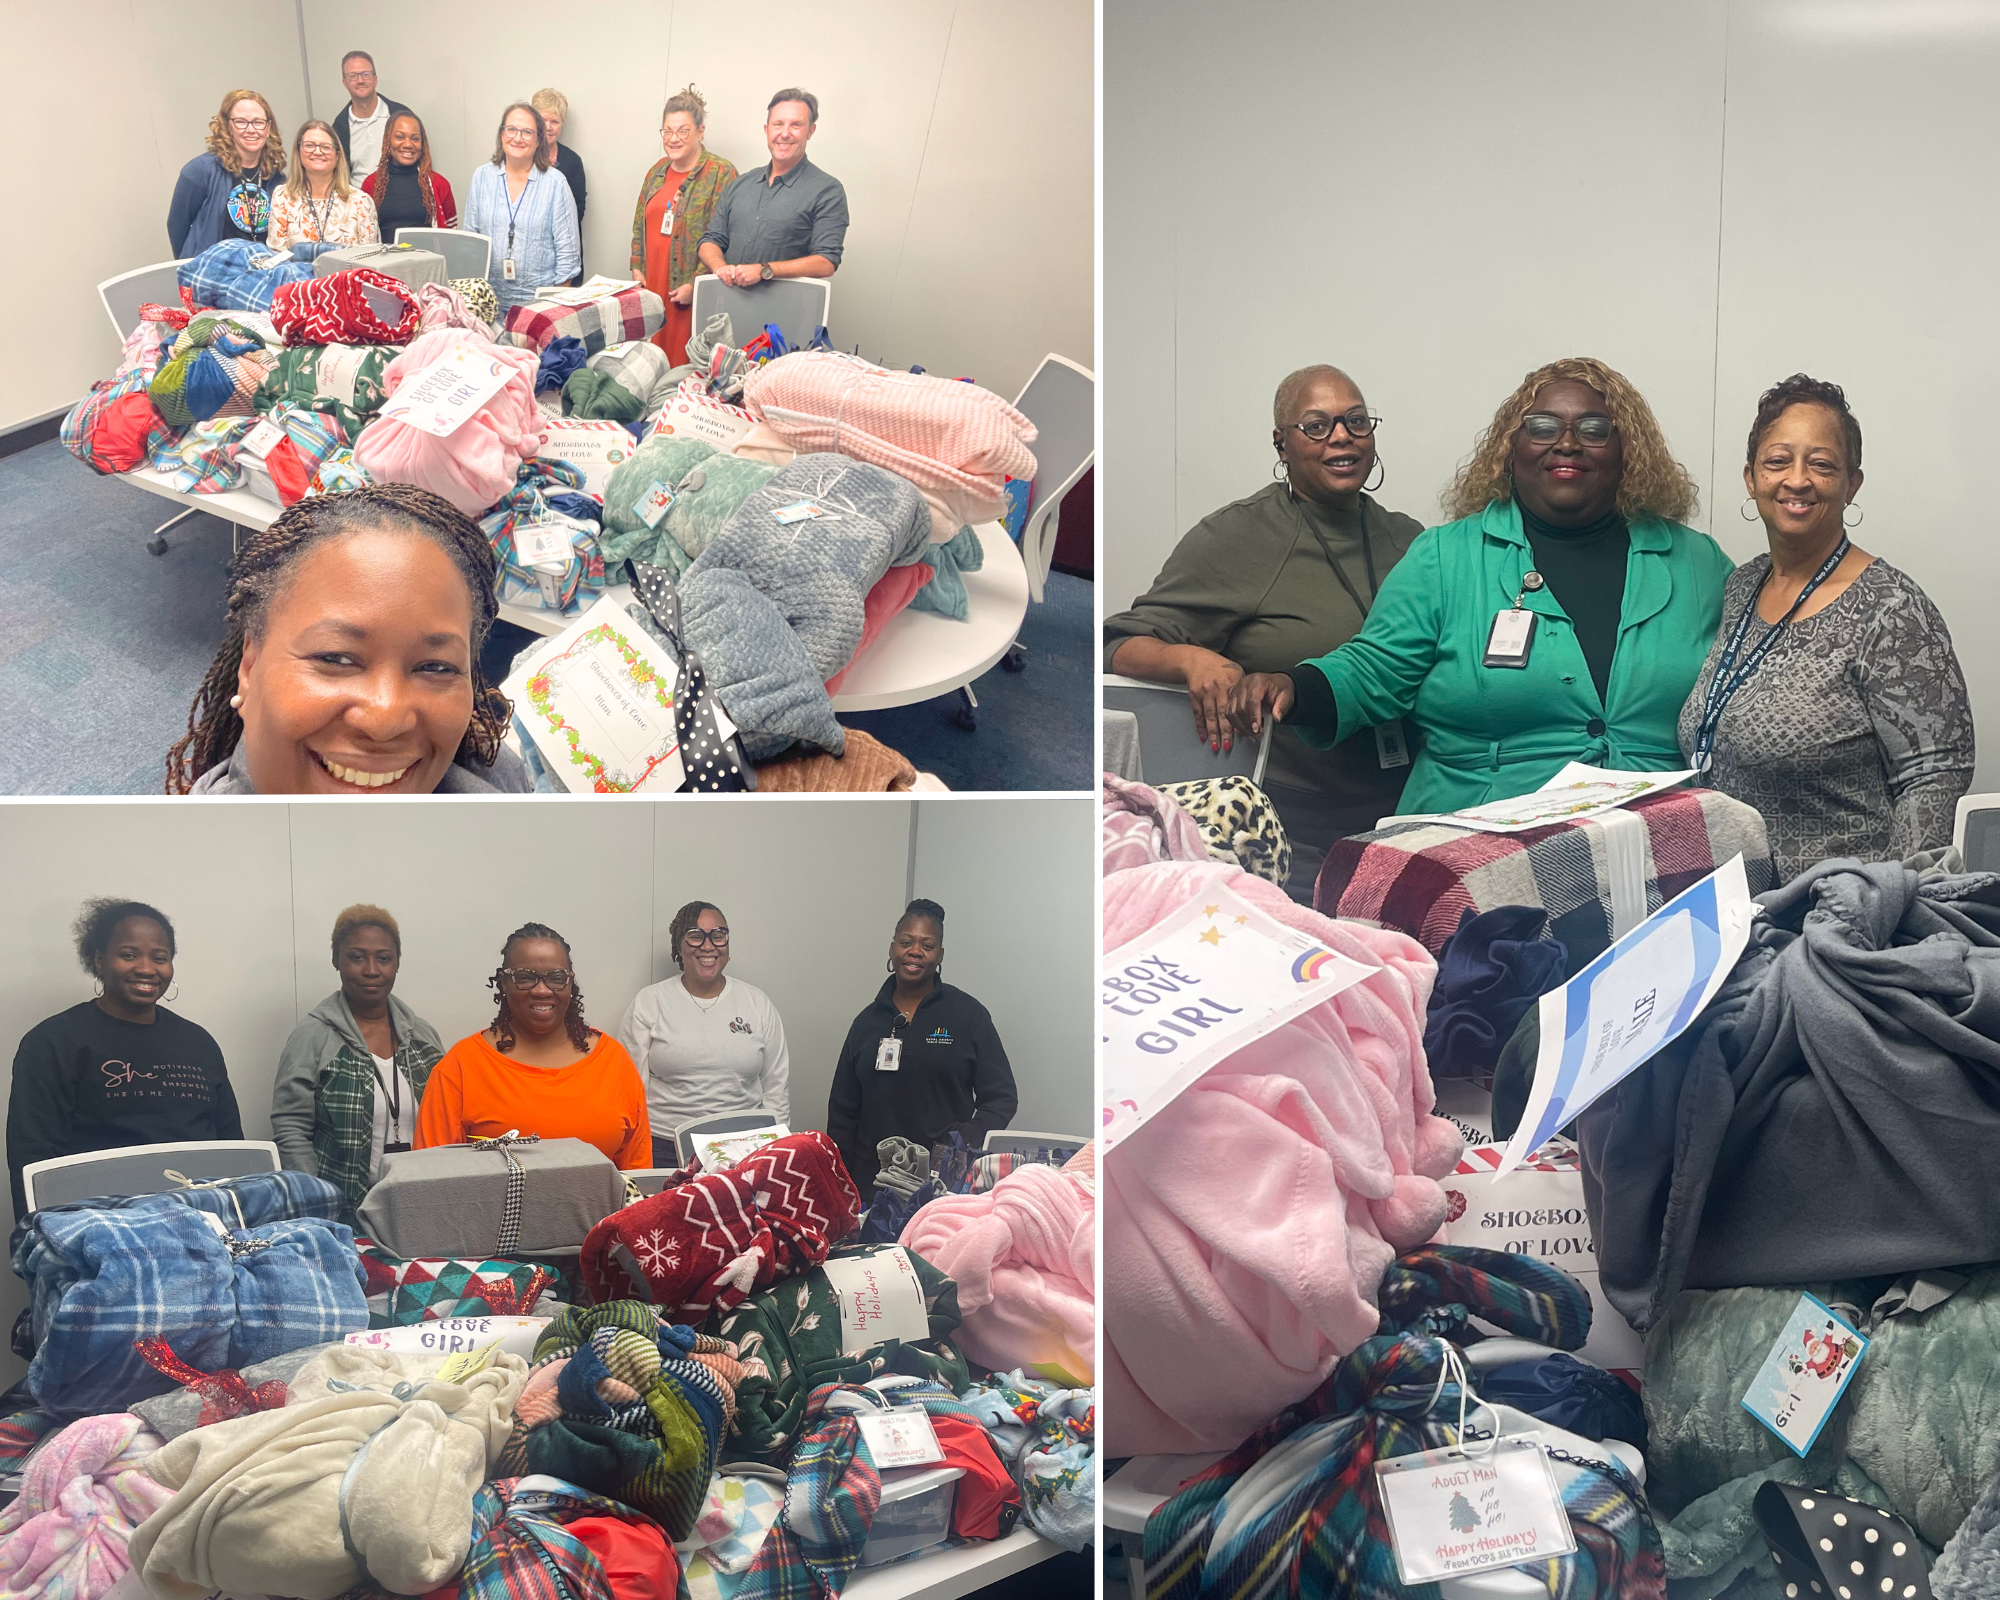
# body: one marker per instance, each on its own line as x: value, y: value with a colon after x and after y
x: 118, y: 1069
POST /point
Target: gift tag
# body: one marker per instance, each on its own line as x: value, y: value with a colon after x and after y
x: 438, y: 399
x: 261, y: 440
x: 655, y: 503
x: 798, y: 511
x: 1391, y: 748
x: 543, y: 544
x: 879, y: 1299
x: 900, y: 1438
x: 1804, y: 1376
x: 889, y: 1055
x: 465, y: 1363
x: 1513, y: 636
x: 1451, y: 1514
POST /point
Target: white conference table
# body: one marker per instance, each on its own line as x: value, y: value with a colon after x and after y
x: 918, y: 656
x: 963, y: 1569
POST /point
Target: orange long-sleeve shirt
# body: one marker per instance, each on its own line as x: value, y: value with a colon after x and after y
x: 477, y: 1093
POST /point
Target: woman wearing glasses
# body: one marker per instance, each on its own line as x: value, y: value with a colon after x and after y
x: 676, y: 201
x: 318, y: 203
x: 537, y: 1068
x: 352, y: 1074
x: 1563, y: 617
x: 225, y: 192
x: 1832, y: 699
x: 1288, y: 573
x: 520, y: 202
x: 706, y: 1043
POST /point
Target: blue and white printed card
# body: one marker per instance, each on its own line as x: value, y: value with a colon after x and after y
x: 1804, y: 1376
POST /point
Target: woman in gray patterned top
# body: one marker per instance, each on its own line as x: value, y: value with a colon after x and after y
x: 1831, y: 699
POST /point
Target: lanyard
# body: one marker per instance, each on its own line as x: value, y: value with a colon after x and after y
x: 319, y: 216
x: 1729, y: 677
x: 1367, y: 555
x: 514, y: 206
x: 393, y: 1089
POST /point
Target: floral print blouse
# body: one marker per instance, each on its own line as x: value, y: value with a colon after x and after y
x: 299, y: 219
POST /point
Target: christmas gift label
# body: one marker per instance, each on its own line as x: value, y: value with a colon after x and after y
x: 1452, y: 1513
x: 719, y: 1152
x: 1631, y: 1002
x: 438, y: 399
x: 1216, y: 975
x: 1804, y: 1376
x: 543, y: 544
x: 900, y: 1438
x: 595, y: 447
x: 879, y: 1299
x: 598, y: 700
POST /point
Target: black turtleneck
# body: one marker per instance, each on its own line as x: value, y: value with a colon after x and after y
x: 401, y: 202
x: 1585, y: 569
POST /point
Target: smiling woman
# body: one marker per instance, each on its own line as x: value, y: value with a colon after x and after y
x: 350, y: 661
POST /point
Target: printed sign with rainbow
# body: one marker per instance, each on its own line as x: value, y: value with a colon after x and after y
x: 1310, y: 965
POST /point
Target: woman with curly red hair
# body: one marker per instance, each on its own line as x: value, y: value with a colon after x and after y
x: 1562, y: 617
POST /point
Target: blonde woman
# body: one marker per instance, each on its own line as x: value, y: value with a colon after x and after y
x: 554, y: 109
x: 1563, y: 616
x: 318, y: 205
x: 225, y: 192
x: 675, y: 203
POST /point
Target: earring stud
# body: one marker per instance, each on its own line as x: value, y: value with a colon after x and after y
x: 236, y: 702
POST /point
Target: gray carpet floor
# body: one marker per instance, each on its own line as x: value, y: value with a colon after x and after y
x: 104, y: 646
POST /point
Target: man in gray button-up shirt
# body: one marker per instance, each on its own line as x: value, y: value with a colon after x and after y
x: 786, y: 219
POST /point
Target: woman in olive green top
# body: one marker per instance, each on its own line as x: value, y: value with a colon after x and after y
x: 1571, y: 510
x: 1287, y: 573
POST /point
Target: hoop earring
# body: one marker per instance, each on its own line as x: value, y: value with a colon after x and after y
x: 1860, y: 515
x: 890, y: 965
x: 1744, y: 510
x: 1370, y: 488
x: 175, y: 995
x: 98, y: 992
x: 1281, y: 471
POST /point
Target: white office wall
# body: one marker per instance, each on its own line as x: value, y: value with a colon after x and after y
x: 961, y: 129
x: 107, y: 101
x: 1018, y: 883
x: 1439, y: 197
x: 812, y: 889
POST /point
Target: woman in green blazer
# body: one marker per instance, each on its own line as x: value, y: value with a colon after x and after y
x: 1571, y: 510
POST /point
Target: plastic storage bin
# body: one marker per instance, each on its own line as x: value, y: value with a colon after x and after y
x: 915, y: 1512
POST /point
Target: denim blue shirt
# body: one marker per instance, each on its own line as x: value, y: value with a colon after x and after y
x: 547, y: 246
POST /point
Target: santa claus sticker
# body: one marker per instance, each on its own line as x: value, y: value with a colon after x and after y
x: 1803, y: 1377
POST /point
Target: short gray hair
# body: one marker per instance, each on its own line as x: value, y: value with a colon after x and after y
x: 1295, y: 385
x: 805, y: 97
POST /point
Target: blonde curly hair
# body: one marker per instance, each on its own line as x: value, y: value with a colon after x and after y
x: 271, y: 160
x: 1654, y: 484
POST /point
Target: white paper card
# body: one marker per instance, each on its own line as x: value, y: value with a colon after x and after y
x: 721, y: 1151
x: 718, y: 425
x: 598, y: 700
x: 654, y: 503
x: 596, y: 448
x: 1451, y: 1514
x: 900, y: 1438
x: 879, y: 1299
x: 440, y: 398
x: 1804, y: 1376
x: 537, y: 543
x: 1632, y: 1001
x: 339, y: 365
x: 261, y: 440
x: 454, y: 1335
x: 1574, y: 794
x: 1213, y: 977
x: 798, y: 511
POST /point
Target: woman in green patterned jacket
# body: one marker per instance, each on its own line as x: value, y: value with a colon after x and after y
x: 353, y: 1073
x: 675, y: 202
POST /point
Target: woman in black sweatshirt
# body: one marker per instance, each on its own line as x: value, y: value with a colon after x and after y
x: 924, y: 1059
x: 119, y: 1069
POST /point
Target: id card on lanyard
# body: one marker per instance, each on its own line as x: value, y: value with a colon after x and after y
x: 1512, y: 636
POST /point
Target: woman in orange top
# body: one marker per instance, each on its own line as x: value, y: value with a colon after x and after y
x: 538, y: 1068
x: 676, y: 201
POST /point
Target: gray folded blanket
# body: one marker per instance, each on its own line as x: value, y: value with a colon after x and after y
x: 905, y: 1165
x: 1833, y: 1113
x: 775, y: 608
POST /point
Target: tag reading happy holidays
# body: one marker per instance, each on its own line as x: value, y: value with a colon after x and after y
x: 1804, y: 1376
x: 879, y: 1299
x: 1452, y: 1514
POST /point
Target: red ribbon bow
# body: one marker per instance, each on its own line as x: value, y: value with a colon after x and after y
x: 504, y: 1300
x: 223, y: 1394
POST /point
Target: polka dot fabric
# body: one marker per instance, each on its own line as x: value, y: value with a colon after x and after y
x: 713, y: 760
x: 1830, y: 1548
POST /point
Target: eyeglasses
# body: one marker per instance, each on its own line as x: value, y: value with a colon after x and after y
x: 247, y: 125
x: 1545, y: 427
x: 315, y: 149
x: 714, y: 938
x: 518, y: 133
x: 557, y: 978
x: 1358, y: 423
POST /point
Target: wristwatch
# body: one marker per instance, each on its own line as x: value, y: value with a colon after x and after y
x: 767, y: 274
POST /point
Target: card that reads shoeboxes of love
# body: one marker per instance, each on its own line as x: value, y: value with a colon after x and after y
x: 594, y: 447
x: 598, y: 700
x: 693, y: 414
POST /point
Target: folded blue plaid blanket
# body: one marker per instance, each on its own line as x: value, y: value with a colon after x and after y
x: 244, y: 274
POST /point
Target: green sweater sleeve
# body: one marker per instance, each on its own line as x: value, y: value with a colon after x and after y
x: 1200, y: 598
x: 1375, y: 676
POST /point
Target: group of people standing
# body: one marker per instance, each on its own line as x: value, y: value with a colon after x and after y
x: 364, y: 1075
x: 366, y: 174
x: 1566, y: 612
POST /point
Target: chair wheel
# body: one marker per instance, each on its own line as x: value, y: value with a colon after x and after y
x: 967, y: 717
x: 157, y: 546
x: 1016, y: 658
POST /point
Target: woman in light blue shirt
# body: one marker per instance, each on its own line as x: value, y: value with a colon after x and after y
x: 523, y: 205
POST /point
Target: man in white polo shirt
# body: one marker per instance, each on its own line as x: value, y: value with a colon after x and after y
x: 365, y: 118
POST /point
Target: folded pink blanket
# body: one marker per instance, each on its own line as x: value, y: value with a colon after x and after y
x: 956, y: 441
x: 475, y: 465
x: 1141, y: 826
x: 81, y: 1497
x: 1021, y: 1256
x: 1247, y: 1226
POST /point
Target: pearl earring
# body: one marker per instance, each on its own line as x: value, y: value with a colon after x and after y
x: 236, y: 702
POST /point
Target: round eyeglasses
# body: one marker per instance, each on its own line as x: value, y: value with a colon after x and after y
x: 1545, y: 427
x: 557, y: 978
x: 1358, y: 423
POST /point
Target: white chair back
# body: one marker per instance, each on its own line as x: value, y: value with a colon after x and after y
x: 123, y: 295
x: 1169, y: 752
x: 466, y: 255
x: 142, y: 1169
x: 1060, y: 400
x: 799, y: 307
x: 1976, y: 832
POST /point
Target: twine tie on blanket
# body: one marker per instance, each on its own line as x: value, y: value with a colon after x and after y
x: 224, y: 1394
x: 181, y: 1180
x: 517, y: 1185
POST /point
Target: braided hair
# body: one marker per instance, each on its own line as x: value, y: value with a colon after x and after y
x: 261, y: 572
x: 926, y: 911
x: 684, y: 923
x: 423, y: 164
x: 573, y: 1024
